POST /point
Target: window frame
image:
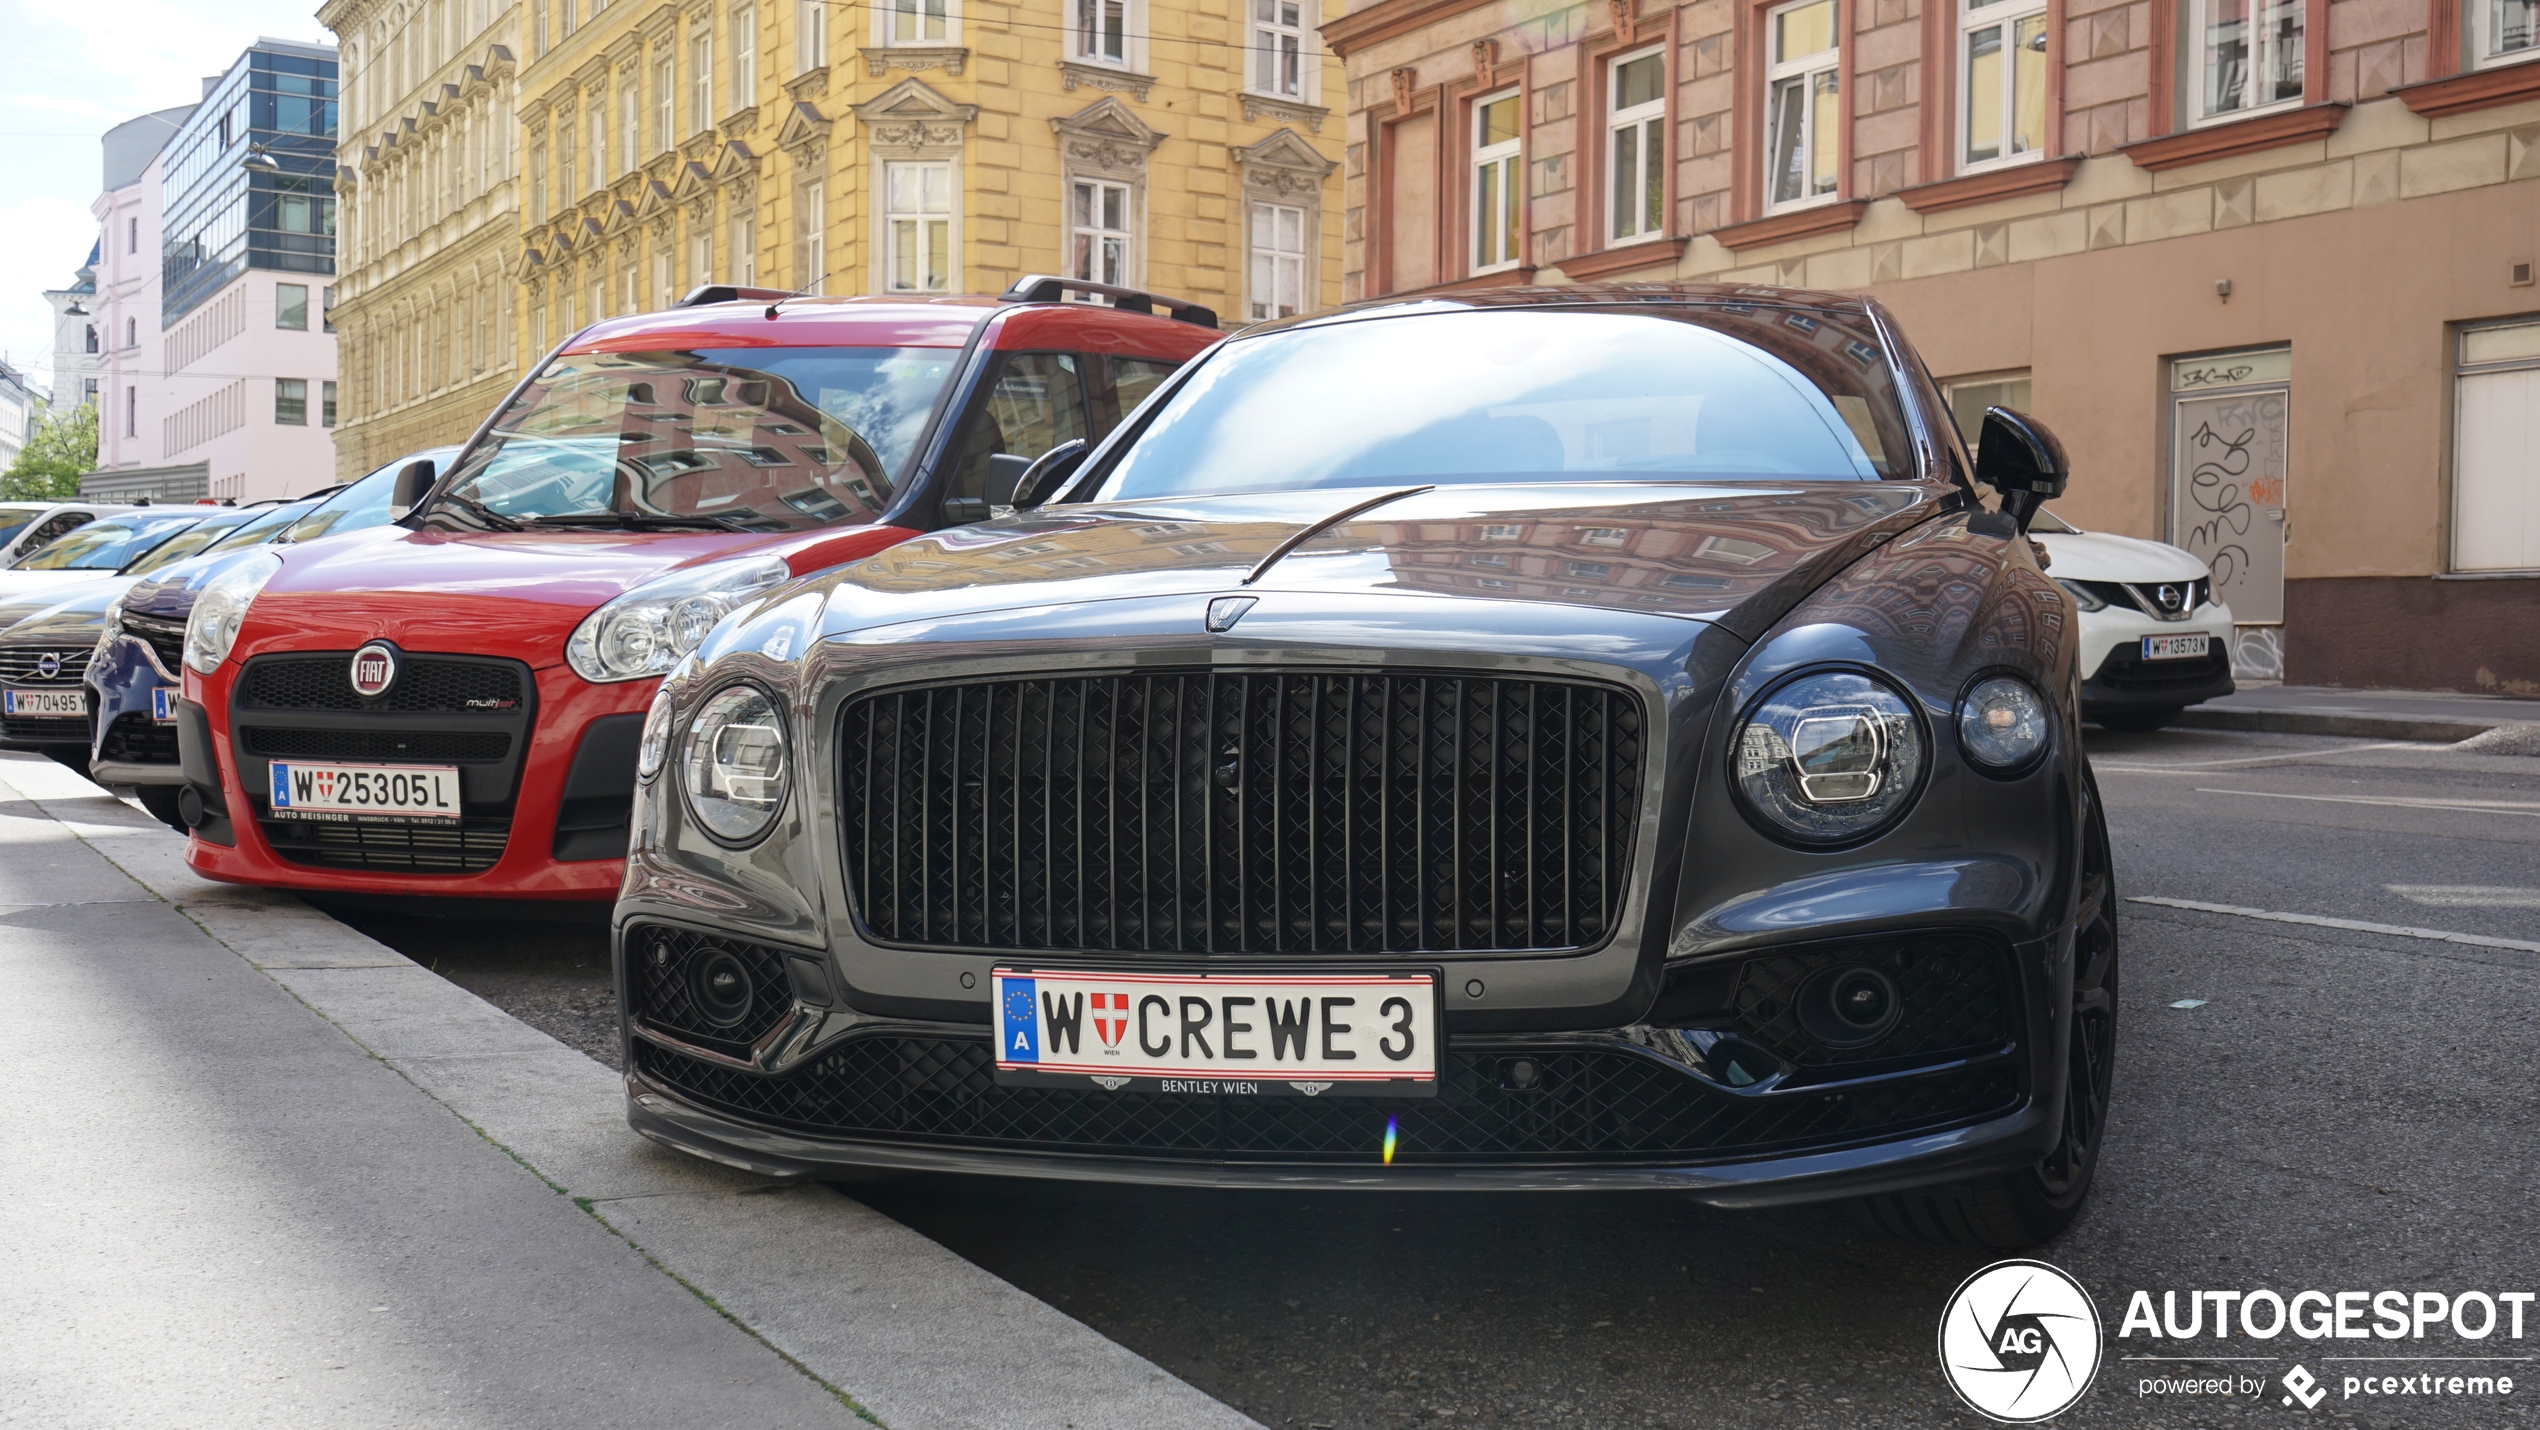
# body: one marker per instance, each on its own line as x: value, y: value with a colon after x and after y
x: 811, y: 236
x: 1301, y: 57
x: 2482, y: 51
x: 744, y: 56
x: 1255, y: 255
x: 2463, y: 370
x: 1097, y: 231
x: 1652, y: 118
x: 1974, y: 15
x: 1083, y: 34
x: 700, y: 80
x: 887, y: 15
x: 1805, y: 68
x: 893, y: 216
x: 1509, y: 157
x: 665, y: 104
x: 283, y: 395
x: 811, y: 36
x: 630, y: 117
x: 301, y: 326
x: 2198, y: 54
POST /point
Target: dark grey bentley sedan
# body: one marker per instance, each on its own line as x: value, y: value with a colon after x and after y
x: 1543, y: 738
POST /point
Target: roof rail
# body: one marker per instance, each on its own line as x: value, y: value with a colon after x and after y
x: 706, y: 293
x: 1044, y: 288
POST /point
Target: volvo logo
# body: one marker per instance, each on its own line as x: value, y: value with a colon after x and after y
x: 374, y: 670
x: 48, y: 665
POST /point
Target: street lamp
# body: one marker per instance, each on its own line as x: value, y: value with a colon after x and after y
x: 258, y: 161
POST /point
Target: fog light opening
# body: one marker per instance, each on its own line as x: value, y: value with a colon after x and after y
x: 722, y: 989
x: 1850, y: 1006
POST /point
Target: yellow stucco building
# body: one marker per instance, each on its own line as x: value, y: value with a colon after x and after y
x: 517, y: 170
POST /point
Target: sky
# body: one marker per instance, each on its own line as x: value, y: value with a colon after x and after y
x: 68, y: 73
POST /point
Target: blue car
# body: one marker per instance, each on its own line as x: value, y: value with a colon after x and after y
x: 134, y: 677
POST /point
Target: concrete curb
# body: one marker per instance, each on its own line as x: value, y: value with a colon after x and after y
x: 916, y: 1337
x: 2428, y: 729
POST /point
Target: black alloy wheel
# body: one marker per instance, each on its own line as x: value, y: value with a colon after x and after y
x: 2026, y: 1208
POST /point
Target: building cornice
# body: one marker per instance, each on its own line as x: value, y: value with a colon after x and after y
x: 2478, y: 89
x: 1628, y: 258
x: 2045, y: 176
x: 1811, y: 222
x: 1388, y: 19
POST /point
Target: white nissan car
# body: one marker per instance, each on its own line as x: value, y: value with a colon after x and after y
x: 2153, y: 638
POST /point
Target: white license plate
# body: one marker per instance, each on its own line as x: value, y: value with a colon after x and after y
x: 2177, y: 647
x: 71, y: 703
x: 359, y: 792
x: 1245, y: 1035
x: 163, y: 704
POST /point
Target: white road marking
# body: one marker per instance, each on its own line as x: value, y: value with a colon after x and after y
x: 2520, y: 809
x: 2351, y: 925
x: 2291, y: 757
x: 2467, y: 896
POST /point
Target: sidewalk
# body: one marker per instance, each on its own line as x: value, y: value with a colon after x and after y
x: 262, y: 1171
x: 2441, y: 716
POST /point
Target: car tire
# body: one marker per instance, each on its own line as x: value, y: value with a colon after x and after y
x: 2138, y: 721
x: 160, y: 800
x: 2036, y: 1205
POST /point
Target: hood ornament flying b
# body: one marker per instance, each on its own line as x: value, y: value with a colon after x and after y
x: 1226, y: 610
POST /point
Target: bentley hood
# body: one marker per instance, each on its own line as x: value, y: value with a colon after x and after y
x: 1738, y: 555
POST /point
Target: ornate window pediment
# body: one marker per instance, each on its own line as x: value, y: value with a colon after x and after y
x: 914, y: 115
x: 880, y: 60
x: 1108, y: 137
x: 804, y: 126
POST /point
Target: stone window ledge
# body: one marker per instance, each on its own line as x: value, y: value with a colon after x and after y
x: 2230, y: 141
x: 2478, y: 89
x: 2016, y: 181
x: 1811, y: 222
x: 1623, y: 258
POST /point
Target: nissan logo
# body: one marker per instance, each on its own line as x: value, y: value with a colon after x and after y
x: 2168, y: 596
x: 48, y: 665
x: 374, y: 670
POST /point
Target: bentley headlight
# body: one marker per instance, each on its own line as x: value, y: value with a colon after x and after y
x: 734, y: 764
x: 645, y: 632
x: 2002, y: 723
x: 212, y: 628
x: 1829, y: 758
x: 654, y: 745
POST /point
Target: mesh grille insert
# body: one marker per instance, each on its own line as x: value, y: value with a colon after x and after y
x: 166, y: 638
x: 1232, y: 812
x: 137, y: 739
x: 664, y: 969
x: 1591, y: 1104
x: 435, y: 683
x: 378, y: 744
x: 467, y: 846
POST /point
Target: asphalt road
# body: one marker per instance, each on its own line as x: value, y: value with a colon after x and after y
x: 2344, y: 1111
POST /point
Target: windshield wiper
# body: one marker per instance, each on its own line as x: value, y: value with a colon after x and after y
x: 482, y: 512
x: 638, y: 521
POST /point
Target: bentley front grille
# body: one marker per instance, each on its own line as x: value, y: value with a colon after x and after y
x: 1242, y: 812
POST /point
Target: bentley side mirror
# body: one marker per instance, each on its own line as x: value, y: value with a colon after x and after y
x: 414, y: 481
x: 2022, y: 461
x: 1005, y: 472
x: 1042, y: 480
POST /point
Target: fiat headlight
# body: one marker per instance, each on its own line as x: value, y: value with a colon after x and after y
x: 654, y: 746
x: 734, y: 764
x: 212, y: 628
x: 1829, y: 758
x: 645, y: 632
x: 2002, y: 723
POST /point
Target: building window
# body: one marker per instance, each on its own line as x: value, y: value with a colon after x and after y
x: 700, y: 259
x: 2508, y: 30
x: 701, y: 66
x: 745, y: 56
x: 665, y: 120
x: 132, y: 332
x: 538, y: 27
x: 1636, y: 147
x: 1970, y: 396
x: 918, y: 22
x: 326, y: 404
x: 661, y: 276
x: 326, y: 308
x: 1102, y: 31
x: 918, y: 227
x: 1802, y: 109
x: 630, y: 108
x: 1495, y: 182
x: 811, y: 227
x: 537, y: 181
x: 568, y: 161
x: 1278, y: 261
x: 132, y: 412
x: 811, y: 36
x: 132, y: 235
x: 291, y: 306
x: 2496, y: 450
x: 599, y: 117
x: 1278, y: 47
x: 290, y: 402
x: 92, y: 337
x: 2002, y: 93
x: 2249, y: 55
x: 1100, y: 252
x: 744, y: 250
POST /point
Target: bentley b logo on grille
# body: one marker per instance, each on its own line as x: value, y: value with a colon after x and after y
x: 48, y: 666
x: 374, y: 670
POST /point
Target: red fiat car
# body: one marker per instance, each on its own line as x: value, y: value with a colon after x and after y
x: 450, y: 705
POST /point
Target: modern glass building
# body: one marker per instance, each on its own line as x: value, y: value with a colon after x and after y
x: 222, y: 218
